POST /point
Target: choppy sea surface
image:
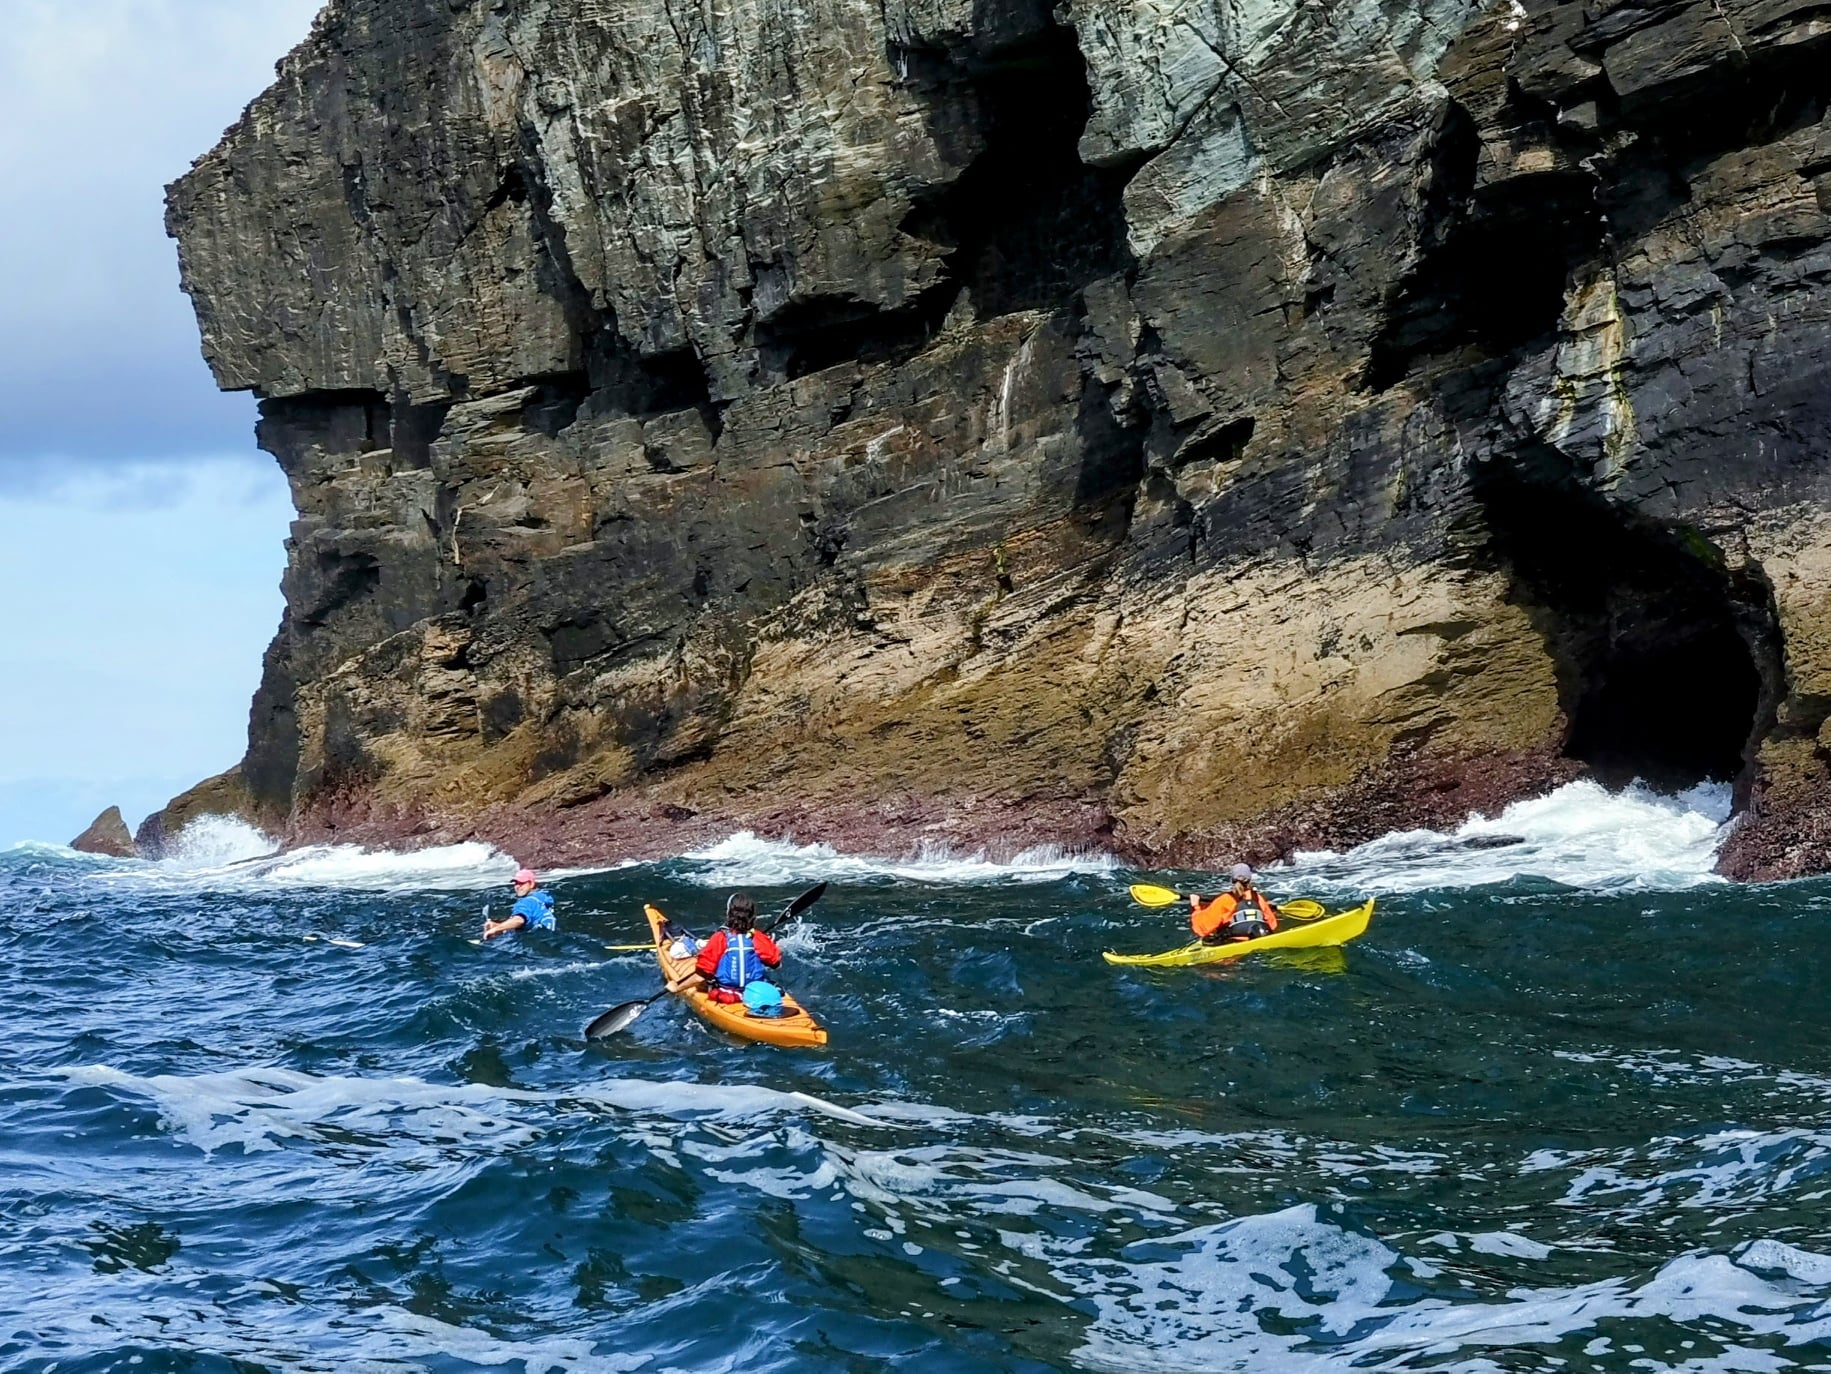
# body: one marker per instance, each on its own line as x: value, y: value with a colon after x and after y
x: 1563, y: 1107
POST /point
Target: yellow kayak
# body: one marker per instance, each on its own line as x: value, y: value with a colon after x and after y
x: 795, y: 1027
x: 1330, y: 930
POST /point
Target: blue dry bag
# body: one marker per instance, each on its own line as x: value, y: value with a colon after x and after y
x: 763, y: 999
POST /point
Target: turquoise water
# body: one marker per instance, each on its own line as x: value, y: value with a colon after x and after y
x: 1523, y: 1124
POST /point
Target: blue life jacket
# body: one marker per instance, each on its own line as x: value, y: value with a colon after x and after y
x: 536, y: 909
x: 739, y: 964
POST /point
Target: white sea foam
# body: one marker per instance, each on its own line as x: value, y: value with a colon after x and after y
x: 1198, y: 1301
x: 44, y: 849
x: 448, y: 867
x: 278, y: 1330
x: 1724, y: 1170
x: 226, y: 853
x: 1508, y: 1243
x: 1259, y: 1292
x: 938, y: 1182
x: 221, y: 852
x: 218, y: 842
x: 264, y: 1108
x: 745, y: 859
x: 1581, y: 835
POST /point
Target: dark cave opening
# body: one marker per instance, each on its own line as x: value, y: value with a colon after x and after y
x: 1672, y: 712
x: 809, y: 336
x: 349, y: 421
x: 1668, y: 660
x: 625, y: 382
x: 1026, y: 225
x: 1031, y: 222
x: 1492, y: 265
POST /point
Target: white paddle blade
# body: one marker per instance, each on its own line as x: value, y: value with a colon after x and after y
x: 614, y: 1020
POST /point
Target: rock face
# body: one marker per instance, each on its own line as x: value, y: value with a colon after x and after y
x: 107, y: 834
x: 1188, y: 428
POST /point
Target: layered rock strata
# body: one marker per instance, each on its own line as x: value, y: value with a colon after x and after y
x: 1183, y: 428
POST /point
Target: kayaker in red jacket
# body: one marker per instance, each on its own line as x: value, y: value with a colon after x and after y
x: 738, y: 954
x: 1241, y: 913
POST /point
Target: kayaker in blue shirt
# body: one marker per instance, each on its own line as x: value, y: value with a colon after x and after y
x: 533, y: 909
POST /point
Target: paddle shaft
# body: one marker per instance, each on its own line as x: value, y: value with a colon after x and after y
x: 1148, y: 894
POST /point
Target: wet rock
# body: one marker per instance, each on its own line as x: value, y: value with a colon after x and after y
x: 107, y: 834
x: 1179, y: 428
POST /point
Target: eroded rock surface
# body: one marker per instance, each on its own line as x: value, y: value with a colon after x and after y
x: 1180, y: 427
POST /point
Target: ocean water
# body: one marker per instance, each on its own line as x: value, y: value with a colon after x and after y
x: 1563, y: 1107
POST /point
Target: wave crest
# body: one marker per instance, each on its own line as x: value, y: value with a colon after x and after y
x: 1580, y: 835
x: 745, y: 859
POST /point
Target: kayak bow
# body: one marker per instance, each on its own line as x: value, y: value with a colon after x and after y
x: 1331, y: 930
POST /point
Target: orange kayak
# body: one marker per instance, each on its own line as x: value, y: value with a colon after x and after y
x: 795, y: 1027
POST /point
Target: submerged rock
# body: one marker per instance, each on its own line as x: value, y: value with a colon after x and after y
x: 107, y: 834
x: 1189, y: 430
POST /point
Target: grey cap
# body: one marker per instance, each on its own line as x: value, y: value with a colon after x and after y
x: 1242, y: 872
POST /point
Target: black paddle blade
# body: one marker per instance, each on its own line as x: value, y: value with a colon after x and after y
x: 616, y: 1019
x: 799, y: 905
x: 805, y: 900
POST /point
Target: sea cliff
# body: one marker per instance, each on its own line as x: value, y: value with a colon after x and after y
x: 1188, y: 429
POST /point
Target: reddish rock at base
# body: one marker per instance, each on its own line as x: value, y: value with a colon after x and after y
x: 1772, y: 843
x: 107, y: 834
x: 1407, y: 791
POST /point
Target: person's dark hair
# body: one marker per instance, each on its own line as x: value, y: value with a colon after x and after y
x: 740, y: 913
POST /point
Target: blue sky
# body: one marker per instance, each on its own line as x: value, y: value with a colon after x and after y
x: 140, y: 529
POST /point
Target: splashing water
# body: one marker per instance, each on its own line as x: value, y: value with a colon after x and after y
x: 213, y: 842
x: 745, y: 859
x: 1580, y: 835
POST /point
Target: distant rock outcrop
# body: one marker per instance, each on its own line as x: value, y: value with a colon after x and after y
x: 1193, y: 429
x: 107, y: 834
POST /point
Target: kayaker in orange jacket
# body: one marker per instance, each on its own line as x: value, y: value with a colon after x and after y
x: 1241, y: 913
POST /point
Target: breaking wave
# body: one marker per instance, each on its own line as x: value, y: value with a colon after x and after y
x: 743, y: 858
x: 1580, y: 835
x: 223, y: 853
